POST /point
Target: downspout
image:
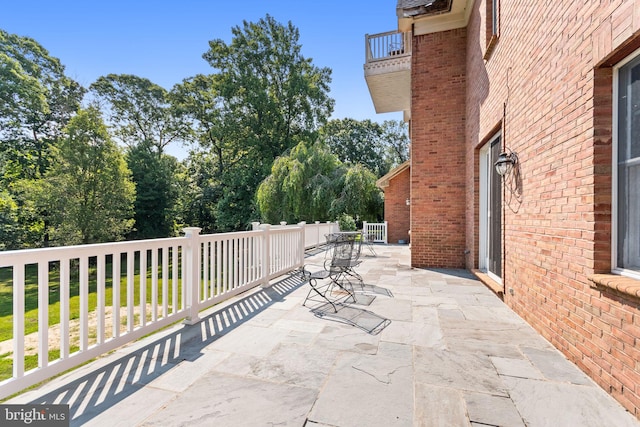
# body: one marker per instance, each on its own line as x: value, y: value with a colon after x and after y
x: 504, y: 198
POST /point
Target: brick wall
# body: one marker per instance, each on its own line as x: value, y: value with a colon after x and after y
x: 396, y: 211
x: 438, y: 150
x: 548, y: 84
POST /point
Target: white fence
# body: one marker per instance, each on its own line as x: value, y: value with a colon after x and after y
x: 387, y: 45
x: 314, y: 234
x: 94, y: 298
x: 375, y: 232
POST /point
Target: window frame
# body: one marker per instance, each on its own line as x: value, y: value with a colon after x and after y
x: 492, y: 26
x: 635, y: 56
x: 486, y: 170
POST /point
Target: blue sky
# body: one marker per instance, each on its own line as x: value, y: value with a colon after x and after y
x: 164, y: 40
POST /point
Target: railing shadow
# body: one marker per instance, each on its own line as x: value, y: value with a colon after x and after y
x: 104, y: 387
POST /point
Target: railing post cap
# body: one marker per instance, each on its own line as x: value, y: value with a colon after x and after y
x: 191, y: 231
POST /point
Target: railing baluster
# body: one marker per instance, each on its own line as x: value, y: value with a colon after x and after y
x: 84, y: 303
x: 115, y: 294
x: 154, y: 285
x: 204, y: 271
x: 165, y: 281
x: 43, y: 314
x: 236, y: 267
x: 100, y: 298
x: 18, y: 320
x: 143, y: 287
x: 64, y: 307
x: 212, y: 270
x: 175, y: 264
x: 130, y: 289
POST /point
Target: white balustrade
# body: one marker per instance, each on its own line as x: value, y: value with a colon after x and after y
x: 391, y: 44
x: 126, y: 290
x: 375, y: 232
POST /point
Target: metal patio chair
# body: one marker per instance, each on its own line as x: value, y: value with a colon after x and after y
x: 333, y: 284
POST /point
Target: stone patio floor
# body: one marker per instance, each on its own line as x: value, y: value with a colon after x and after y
x: 447, y: 352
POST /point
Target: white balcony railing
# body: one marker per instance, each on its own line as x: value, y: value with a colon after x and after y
x: 391, y: 44
x: 376, y: 232
x: 110, y: 294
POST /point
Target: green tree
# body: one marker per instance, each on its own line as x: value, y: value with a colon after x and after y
x: 379, y: 147
x: 88, y: 190
x: 311, y: 184
x: 139, y: 111
x: 9, y: 221
x: 359, y: 196
x: 199, y: 192
x: 301, y: 186
x: 269, y: 97
x: 156, y: 183
x: 396, y: 135
x: 142, y: 116
x: 36, y: 101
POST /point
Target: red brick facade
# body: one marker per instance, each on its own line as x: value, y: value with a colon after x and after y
x: 547, y: 85
x: 438, y: 149
x: 396, y: 210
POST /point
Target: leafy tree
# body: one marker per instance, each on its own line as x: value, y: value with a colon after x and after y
x: 36, y: 101
x: 143, y: 117
x: 355, y: 142
x: 396, y: 136
x: 9, y: 230
x: 301, y: 186
x: 312, y: 184
x: 156, y: 178
x: 139, y: 111
x: 199, y: 192
x: 359, y: 196
x: 89, y: 192
x: 379, y: 147
x: 265, y: 98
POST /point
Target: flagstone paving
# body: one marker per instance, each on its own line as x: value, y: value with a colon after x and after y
x: 449, y: 353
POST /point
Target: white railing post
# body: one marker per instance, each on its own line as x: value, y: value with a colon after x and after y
x: 318, y: 231
x: 386, y: 225
x: 191, y: 277
x: 301, y: 249
x: 266, y: 254
x: 365, y: 229
x: 255, y: 226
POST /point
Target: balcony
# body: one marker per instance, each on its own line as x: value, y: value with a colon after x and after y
x: 387, y: 71
x: 452, y: 354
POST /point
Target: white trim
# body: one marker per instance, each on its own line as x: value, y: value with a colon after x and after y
x: 614, y: 169
x: 484, y: 220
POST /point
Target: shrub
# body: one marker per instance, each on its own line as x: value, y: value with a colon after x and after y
x: 346, y: 222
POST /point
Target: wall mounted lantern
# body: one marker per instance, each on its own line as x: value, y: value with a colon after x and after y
x: 408, y: 202
x: 506, y: 162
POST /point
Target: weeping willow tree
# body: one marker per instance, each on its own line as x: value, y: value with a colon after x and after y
x: 311, y: 184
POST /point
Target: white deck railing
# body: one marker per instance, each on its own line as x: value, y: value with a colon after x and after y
x: 375, y: 232
x: 391, y: 44
x: 114, y: 293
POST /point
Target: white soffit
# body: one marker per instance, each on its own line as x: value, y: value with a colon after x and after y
x: 458, y: 17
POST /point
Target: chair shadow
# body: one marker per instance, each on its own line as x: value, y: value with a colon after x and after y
x: 95, y: 392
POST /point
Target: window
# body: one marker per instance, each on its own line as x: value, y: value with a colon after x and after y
x: 626, y: 158
x: 492, y: 27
